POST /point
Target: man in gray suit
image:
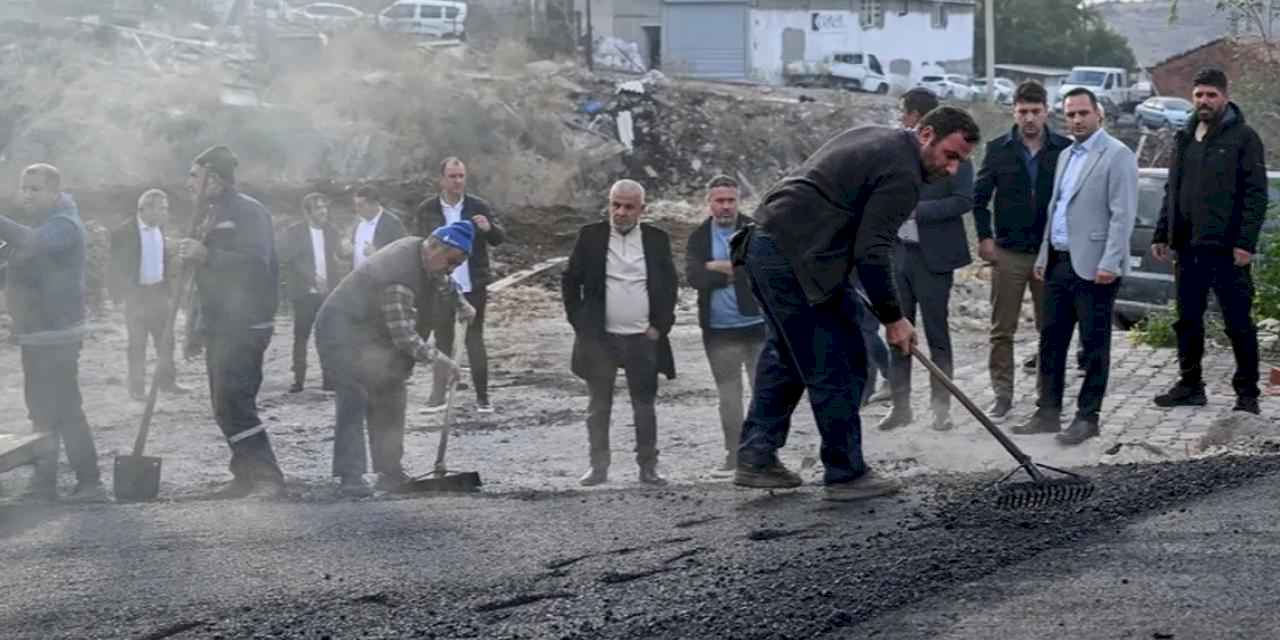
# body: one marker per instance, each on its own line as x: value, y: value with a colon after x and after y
x: 1082, y: 258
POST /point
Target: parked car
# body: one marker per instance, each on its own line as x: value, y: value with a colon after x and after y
x: 1004, y: 89
x: 1149, y: 285
x: 1162, y: 111
x: 852, y: 71
x: 426, y: 18
x: 949, y: 86
x: 328, y: 17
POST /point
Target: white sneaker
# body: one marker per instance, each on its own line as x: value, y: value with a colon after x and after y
x: 484, y: 408
x: 431, y: 408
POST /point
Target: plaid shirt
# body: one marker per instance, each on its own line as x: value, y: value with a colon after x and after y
x: 401, y: 316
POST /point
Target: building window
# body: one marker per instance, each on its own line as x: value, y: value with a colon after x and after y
x: 939, y: 16
x: 872, y: 15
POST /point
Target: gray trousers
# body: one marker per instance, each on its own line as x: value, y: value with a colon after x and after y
x: 637, y: 355
x: 51, y: 383
x: 931, y: 292
x: 732, y: 352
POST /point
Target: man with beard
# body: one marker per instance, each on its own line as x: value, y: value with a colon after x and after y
x: 236, y: 277
x: 1214, y: 206
x: 45, y: 289
x: 840, y: 210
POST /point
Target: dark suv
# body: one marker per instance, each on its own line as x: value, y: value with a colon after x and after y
x: 1149, y: 285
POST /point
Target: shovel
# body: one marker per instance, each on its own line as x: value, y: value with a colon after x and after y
x: 137, y: 476
x: 441, y: 480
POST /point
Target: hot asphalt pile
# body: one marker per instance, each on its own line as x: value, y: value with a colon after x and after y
x: 773, y: 568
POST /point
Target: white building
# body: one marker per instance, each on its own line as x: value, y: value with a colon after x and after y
x: 755, y: 39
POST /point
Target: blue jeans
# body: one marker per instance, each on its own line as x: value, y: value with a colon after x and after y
x: 815, y: 348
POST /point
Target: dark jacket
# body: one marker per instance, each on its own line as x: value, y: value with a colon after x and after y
x: 430, y: 216
x: 1022, y: 208
x: 940, y: 221
x: 842, y: 208
x: 583, y: 287
x: 237, y: 284
x: 297, y: 260
x: 355, y: 309
x: 45, y: 286
x: 1233, y: 185
x: 126, y: 260
x: 697, y: 255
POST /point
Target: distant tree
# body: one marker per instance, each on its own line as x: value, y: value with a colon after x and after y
x: 1054, y: 33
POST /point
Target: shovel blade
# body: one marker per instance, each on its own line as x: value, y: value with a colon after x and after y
x: 136, y: 478
x: 465, y: 482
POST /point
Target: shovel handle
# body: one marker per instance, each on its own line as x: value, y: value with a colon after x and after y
x: 443, y: 445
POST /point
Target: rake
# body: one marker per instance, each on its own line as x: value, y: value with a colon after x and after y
x: 1041, y: 491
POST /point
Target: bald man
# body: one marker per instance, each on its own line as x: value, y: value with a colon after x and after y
x: 620, y: 296
x: 45, y: 295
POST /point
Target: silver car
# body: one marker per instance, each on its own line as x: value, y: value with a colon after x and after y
x: 1162, y: 111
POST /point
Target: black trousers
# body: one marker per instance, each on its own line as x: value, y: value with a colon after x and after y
x: 234, y: 364
x: 1068, y: 300
x: 477, y: 356
x: 305, y: 309
x: 637, y: 356
x: 145, y: 312
x: 931, y: 292
x: 51, y: 384
x: 1198, y: 272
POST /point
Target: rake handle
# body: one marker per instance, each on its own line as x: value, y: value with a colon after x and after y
x: 1022, y: 458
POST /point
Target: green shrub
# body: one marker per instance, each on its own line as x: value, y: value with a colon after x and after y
x: 1156, y: 330
x: 1266, y: 274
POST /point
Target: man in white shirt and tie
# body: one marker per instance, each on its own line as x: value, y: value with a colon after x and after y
x: 308, y: 262
x: 140, y: 279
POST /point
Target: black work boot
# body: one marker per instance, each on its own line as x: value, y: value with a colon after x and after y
x: 1183, y: 395
x: 1081, y: 429
x: 649, y: 475
x: 1041, y: 421
x: 594, y: 476
x: 766, y: 476
x: 1247, y: 404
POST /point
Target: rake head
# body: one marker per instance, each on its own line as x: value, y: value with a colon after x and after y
x: 1044, y: 493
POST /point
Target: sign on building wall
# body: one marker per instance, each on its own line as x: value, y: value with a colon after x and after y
x: 828, y: 21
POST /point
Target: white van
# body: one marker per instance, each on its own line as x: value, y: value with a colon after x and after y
x: 435, y: 18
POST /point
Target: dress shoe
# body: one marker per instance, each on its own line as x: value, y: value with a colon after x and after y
x: 883, y: 394
x: 238, y: 488
x: 1079, y: 431
x: 898, y: 417
x: 1183, y: 395
x: 1040, y: 422
x: 1000, y: 409
x: 296, y: 388
x: 1032, y: 363
x: 770, y: 476
x: 649, y: 475
x: 868, y: 485
x: 1247, y: 404
x: 594, y: 476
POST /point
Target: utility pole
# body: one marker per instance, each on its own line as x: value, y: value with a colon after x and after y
x: 989, y: 26
x: 591, y: 44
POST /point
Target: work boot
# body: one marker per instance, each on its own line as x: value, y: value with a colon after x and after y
x: 354, y: 487
x: 766, y: 476
x: 88, y: 492
x: 1000, y: 409
x: 296, y: 388
x: 868, y: 485
x: 1183, y: 395
x: 392, y: 481
x: 239, y: 487
x: 649, y: 475
x: 900, y: 416
x: 1248, y: 404
x: 1041, y: 422
x: 1079, y: 431
x: 594, y: 476
x: 1032, y: 363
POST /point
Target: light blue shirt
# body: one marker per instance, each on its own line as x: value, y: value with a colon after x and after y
x: 1058, y: 236
x: 724, y: 301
